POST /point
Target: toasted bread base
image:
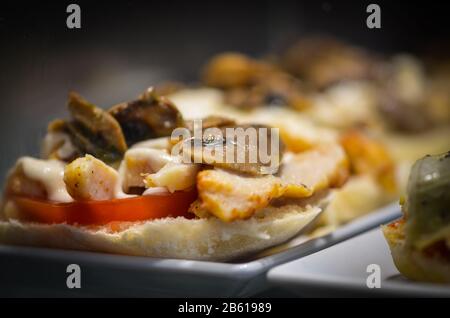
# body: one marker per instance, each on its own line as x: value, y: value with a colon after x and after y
x: 181, y: 238
x: 413, y: 264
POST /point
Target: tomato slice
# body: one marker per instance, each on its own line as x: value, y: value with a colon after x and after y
x: 139, y: 208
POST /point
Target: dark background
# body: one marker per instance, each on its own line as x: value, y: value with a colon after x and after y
x: 125, y: 46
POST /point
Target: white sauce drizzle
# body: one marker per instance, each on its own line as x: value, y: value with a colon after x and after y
x: 49, y: 173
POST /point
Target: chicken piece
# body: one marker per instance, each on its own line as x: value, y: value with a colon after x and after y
x: 140, y: 161
x: 88, y: 178
x: 368, y: 156
x: 297, y: 132
x: 320, y: 168
x: 230, y: 196
x: 173, y: 176
x: 146, y: 167
x: 199, y: 210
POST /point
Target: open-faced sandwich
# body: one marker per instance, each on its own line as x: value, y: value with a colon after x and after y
x: 420, y: 241
x: 386, y: 111
x: 140, y: 179
x: 127, y: 180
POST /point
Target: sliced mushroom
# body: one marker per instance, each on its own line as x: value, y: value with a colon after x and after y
x: 94, y: 131
x: 229, y: 70
x: 323, y: 61
x: 401, y: 116
x: 403, y: 91
x: 57, y: 143
x: 150, y: 116
x: 272, y: 89
x: 88, y: 143
x: 237, y: 149
x: 211, y: 121
x: 97, y: 121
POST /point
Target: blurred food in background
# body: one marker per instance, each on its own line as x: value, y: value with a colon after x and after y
x: 386, y: 111
x: 380, y: 113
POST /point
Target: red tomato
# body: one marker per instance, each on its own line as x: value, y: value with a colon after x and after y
x: 139, y: 208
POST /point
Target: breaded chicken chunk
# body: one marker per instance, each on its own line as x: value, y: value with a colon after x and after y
x: 230, y: 196
x: 88, y: 178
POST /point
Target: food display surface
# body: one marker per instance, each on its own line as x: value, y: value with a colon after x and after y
x: 306, y: 151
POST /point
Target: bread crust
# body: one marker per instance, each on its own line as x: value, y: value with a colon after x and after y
x: 198, y: 239
x: 411, y: 263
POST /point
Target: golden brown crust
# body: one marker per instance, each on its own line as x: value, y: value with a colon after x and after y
x: 414, y: 264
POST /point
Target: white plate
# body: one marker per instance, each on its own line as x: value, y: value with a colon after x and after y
x: 42, y: 272
x: 341, y: 270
